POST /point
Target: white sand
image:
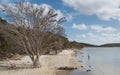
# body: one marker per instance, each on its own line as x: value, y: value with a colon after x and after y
x: 49, y: 64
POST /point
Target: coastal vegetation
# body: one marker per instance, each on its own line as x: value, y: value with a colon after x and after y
x: 33, y: 32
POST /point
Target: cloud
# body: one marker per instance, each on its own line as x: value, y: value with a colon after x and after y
x: 47, y: 7
x: 60, y: 14
x: 104, y: 9
x: 69, y: 17
x: 99, y: 28
x: 99, y: 39
x: 97, y: 34
x: 79, y: 26
x: 95, y: 28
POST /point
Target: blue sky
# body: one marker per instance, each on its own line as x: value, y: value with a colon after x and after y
x: 89, y: 21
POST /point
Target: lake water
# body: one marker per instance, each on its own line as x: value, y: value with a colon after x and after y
x: 103, y: 61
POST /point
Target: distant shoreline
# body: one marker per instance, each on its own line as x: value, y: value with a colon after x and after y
x: 103, y: 45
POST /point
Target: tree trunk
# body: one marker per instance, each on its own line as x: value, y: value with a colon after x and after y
x: 36, y: 63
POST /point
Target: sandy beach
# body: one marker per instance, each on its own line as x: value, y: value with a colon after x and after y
x: 37, y: 71
x: 50, y: 65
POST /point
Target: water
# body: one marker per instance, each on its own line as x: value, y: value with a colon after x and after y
x: 103, y: 61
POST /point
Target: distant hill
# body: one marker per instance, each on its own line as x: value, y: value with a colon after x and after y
x: 88, y: 45
x: 110, y: 45
x: 104, y: 45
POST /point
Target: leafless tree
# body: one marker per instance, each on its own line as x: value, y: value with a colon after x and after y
x: 34, y: 26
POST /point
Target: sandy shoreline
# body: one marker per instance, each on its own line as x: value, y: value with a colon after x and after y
x: 50, y: 64
x: 37, y: 71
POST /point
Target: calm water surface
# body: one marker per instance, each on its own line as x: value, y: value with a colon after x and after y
x: 103, y: 61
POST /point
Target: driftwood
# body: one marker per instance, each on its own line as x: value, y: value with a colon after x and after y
x: 66, y: 68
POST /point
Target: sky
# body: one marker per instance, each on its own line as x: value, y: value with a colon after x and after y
x: 88, y: 21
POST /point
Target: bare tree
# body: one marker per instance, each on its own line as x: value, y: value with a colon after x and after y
x: 34, y: 26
